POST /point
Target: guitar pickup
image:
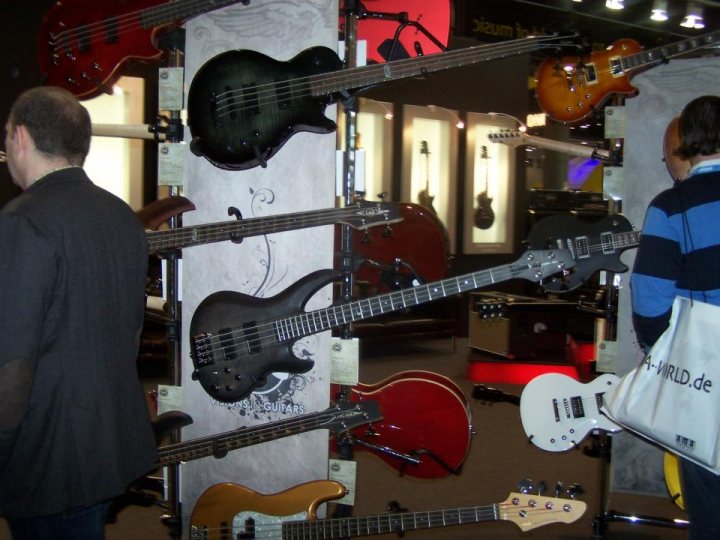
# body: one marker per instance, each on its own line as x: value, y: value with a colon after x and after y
x: 606, y: 240
x: 582, y: 247
x: 578, y: 409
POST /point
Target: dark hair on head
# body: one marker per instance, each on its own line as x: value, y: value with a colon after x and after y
x: 700, y: 128
x: 58, y: 124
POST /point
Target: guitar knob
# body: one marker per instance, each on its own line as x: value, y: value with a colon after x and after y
x: 215, y: 387
x: 238, y: 377
x: 227, y: 370
x: 195, y: 375
x: 228, y: 388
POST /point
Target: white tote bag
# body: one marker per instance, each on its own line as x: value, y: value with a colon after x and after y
x: 673, y: 397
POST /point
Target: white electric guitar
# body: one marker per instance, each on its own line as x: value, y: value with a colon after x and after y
x: 515, y: 138
x: 558, y: 412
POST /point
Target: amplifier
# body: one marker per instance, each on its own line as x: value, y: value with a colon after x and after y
x: 515, y: 326
x: 558, y: 199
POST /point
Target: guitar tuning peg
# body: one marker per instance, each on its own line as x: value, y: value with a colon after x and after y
x: 574, y: 490
x: 525, y: 486
x: 541, y: 487
x: 559, y: 488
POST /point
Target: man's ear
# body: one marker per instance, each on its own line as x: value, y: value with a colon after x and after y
x: 22, y: 138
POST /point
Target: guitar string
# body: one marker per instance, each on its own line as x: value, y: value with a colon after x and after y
x: 249, y: 227
x: 390, y: 523
x: 125, y: 22
x: 242, y: 437
x: 396, y: 300
x: 399, y: 69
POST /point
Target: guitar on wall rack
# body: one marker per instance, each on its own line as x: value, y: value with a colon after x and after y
x: 484, y: 216
x: 234, y: 511
x: 360, y: 215
x: 593, y: 246
x: 572, y: 87
x: 236, y: 340
x: 337, y: 418
x: 558, y: 412
x: 84, y: 44
x: 243, y: 105
x: 429, y: 445
x: 515, y: 138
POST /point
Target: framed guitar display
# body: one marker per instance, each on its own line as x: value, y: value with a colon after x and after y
x: 489, y: 200
x: 429, y: 160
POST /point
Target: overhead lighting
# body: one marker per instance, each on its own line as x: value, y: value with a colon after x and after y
x: 615, y: 4
x: 693, y: 17
x: 659, y: 11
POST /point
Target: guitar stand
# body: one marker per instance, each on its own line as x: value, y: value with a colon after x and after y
x: 402, y: 18
x: 602, y: 449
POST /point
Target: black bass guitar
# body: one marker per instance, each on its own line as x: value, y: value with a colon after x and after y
x: 593, y: 246
x: 484, y: 215
x: 360, y: 215
x: 243, y: 105
x: 237, y: 340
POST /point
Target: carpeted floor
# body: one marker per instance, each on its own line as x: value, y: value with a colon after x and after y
x: 499, y: 459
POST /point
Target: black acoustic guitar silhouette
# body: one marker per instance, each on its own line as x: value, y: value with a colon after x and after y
x: 424, y: 196
x: 484, y: 216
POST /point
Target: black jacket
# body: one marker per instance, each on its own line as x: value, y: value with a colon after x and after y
x: 73, y: 265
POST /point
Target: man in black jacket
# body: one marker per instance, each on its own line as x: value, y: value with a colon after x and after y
x: 74, y: 425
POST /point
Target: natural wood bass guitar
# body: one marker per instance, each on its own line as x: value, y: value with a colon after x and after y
x: 572, y: 87
x: 84, y: 44
x: 225, y: 511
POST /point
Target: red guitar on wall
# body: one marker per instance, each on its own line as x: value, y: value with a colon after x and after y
x: 428, y: 445
x: 83, y: 44
x: 571, y: 88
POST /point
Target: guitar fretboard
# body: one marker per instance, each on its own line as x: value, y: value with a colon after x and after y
x: 325, y: 84
x: 179, y: 10
x: 218, y: 445
x: 388, y: 523
x: 660, y: 54
x: 181, y: 237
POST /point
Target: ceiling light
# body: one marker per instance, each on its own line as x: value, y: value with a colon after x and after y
x: 614, y: 4
x: 659, y: 11
x: 693, y: 17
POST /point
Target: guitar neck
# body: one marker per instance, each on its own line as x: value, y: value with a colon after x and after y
x: 658, y: 55
x: 181, y: 237
x: 308, y: 323
x: 219, y: 445
x: 363, y: 76
x: 389, y: 523
x: 179, y: 10
x: 624, y: 240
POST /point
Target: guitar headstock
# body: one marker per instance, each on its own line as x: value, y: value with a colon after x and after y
x: 529, y: 511
x: 424, y: 148
x: 370, y: 214
x: 350, y: 415
x: 511, y: 137
x: 540, y: 264
x: 493, y: 395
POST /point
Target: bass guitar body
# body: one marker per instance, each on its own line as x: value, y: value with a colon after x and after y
x: 426, y: 417
x: 573, y: 87
x: 243, y: 106
x: 558, y: 412
x: 84, y: 44
x: 252, y: 352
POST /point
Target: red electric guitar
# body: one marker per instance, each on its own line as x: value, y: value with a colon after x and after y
x: 432, y: 444
x: 83, y: 44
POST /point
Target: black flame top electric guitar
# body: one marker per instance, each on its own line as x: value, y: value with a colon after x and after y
x: 243, y: 105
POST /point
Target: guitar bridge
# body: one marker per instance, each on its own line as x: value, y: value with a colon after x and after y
x: 201, y: 350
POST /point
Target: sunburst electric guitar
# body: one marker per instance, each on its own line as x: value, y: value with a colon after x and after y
x: 572, y: 87
x: 234, y: 511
